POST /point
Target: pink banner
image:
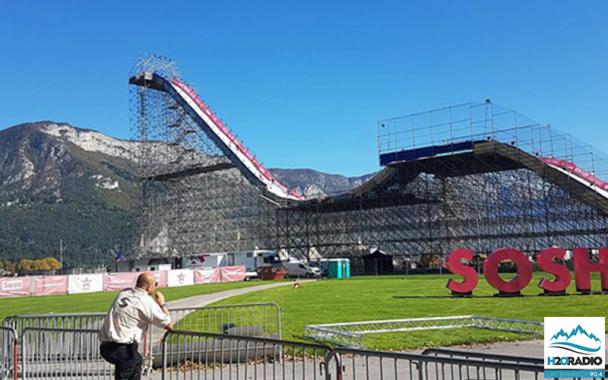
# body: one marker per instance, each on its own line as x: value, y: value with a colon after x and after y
x: 230, y: 274
x: 15, y: 286
x: 207, y: 275
x: 161, y: 278
x: 50, y: 285
x: 575, y: 170
x: 119, y: 281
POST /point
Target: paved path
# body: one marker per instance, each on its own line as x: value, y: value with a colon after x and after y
x: 206, y: 299
x: 528, y: 348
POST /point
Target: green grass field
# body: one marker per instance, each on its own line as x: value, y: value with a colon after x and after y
x: 95, y: 302
x: 360, y: 299
x: 392, y: 297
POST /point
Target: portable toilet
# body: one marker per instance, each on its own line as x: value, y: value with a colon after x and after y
x: 346, y: 268
x: 338, y: 268
x: 334, y: 268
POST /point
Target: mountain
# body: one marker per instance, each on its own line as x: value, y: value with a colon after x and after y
x: 58, y: 181
x: 312, y: 183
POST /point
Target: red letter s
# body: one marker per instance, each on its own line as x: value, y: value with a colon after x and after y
x: 455, y: 266
x: 561, y: 273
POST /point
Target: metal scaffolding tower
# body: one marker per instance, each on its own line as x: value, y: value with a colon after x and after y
x: 472, y: 175
x: 194, y: 199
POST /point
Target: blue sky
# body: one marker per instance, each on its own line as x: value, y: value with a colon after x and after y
x: 303, y: 83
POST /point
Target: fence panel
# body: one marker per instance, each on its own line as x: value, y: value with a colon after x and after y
x: 61, y: 353
x: 192, y: 355
x: 8, y: 365
x: 361, y: 364
x: 483, y: 356
x: 257, y: 319
x: 68, y: 321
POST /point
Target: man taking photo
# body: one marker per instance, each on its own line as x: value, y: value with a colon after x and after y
x: 129, y: 317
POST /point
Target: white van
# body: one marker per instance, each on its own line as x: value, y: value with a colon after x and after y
x: 296, y: 268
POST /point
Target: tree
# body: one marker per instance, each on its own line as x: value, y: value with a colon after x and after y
x: 26, y: 265
x: 53, y: 263
x: 41, y: 265
x: 6, y: 266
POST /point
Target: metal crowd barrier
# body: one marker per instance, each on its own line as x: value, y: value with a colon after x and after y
x: 67, y: 321
x: 189, y: 355
x: 257, y: 319
x: 83, y: 321
x: 362, y: 364
x: 193, y: 355
x: 8, y: 354
x: 74, y: 353
x: 460, y: 354
x: 62, y: 353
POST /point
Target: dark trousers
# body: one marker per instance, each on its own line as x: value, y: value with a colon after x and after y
x: 125, y: 357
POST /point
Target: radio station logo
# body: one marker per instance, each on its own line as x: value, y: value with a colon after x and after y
x: 574, y: 347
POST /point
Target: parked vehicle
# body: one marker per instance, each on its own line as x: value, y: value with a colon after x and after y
x: 296, y: 268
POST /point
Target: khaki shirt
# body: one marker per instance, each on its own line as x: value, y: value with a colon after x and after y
x: 132, y: 311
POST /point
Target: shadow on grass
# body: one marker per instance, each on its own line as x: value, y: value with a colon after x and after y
x: 506, y: 296
x: 441, y: 297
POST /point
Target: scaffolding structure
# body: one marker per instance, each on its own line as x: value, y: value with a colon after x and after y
x: 473, y: 175
x: 194, y: 199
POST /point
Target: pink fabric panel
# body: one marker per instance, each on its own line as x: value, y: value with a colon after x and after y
x: 575, y: 170
x: 119, y: 281
x: 15, y: 286
x: 50, y: 285
x: 229, y: 274
x: 207, y: 276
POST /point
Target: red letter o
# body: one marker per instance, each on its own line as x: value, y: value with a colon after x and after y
x: 524, y: 271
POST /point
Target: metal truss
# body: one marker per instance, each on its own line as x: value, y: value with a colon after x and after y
x: 194, y: 200
x: 496, y: 194
x: 512, y: 325
x: 352, y: 334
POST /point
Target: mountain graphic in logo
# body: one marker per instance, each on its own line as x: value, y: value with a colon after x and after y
x: 578, y: 340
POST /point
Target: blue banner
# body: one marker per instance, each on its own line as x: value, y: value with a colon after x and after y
x: 572, y: 373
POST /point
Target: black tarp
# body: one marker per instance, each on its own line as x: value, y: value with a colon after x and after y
x: 377, y: 263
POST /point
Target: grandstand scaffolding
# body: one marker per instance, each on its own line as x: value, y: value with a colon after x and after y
x: 473, y: 175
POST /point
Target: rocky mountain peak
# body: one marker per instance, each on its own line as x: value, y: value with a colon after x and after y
x: 61, y: 181
x: 90, y: 140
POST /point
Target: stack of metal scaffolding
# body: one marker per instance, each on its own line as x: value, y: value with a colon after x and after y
x: 465, y: 176
x: 194, y: 200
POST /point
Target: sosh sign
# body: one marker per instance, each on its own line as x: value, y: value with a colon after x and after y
x: 583, y: 268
